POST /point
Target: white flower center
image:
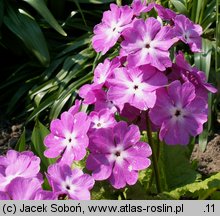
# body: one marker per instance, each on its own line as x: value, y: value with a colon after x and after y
x: 118, y: 154
x: 178, y: 113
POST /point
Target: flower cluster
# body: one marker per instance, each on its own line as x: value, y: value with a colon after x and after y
x: 143, y: 81
x: 141, y: 84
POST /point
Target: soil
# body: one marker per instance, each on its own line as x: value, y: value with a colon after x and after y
x: 209, y: 160
x: 10, y: 133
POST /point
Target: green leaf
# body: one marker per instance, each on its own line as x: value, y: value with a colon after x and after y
x: 19, y: 94
x: 197, y: 10
x: 197, y: 189
x: 103, y: 191
x: 21, y: 144
x: 1, y: 11
x: 176, y: 166
x: 37, y: 138
x: 203, y: 59
x: 42, y: 9
x: 180, y: 7
x: 94, y: 1
x: 29, y: 32
x: 44, y: 105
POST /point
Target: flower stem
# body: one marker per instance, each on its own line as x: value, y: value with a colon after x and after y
x: 154, y: 156
x: 119, y: 2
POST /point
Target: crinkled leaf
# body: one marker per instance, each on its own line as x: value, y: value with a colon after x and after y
x: 175, y: 161
x: 197, y: 189
x: 103, y: 191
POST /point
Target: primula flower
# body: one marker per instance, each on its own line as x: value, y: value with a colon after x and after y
x: 90, y: 92
x: 148, y: 43
x: 26, y: 189
x: 117, y: 155
x: 104, y: 70
x: 71, y: 183
x: 188, y: 32
x: 16, y: 164
x: 164, y: 13
x: 68, y: 137
x: 179, y: 113
x: 75, y: 108
x: 184, y: 72
x: 135, y: 86
x: 102, y: 119
x: 102, y: 102
x: 109, y: 30
x: 140, y: 6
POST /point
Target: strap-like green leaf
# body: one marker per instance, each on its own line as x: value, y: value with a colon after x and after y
x: 29, y: 32
x: 37, y: 138
x: 94, y: 1
x: 180, y: 7
x: 21, y: 144
x: 42, y: 9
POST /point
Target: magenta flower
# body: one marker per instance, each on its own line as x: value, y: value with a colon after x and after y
x: 135, y: 86
x: 188, y: 32
x: 181, y: 113
x: 103, y: 103
x: 148, y: 43
x: 72, y: 183
x: 184, y: 72
x: 140, y: 6
x: 102, y: 119
x: 117, y: 155
x: 90, y: 92
x: 104, y: 71
x: 26, y: 189
x: 16, y: 164
x: 109, y: 30
x: 164, y: 13
x: 75, y: 108
x: 68, y: 137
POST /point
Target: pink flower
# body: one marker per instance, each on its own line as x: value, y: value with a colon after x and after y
x: 117, y: 155
x: 140, y: 6
x: 68, y: 137
x: 75, y: 108
x: 104, y: 71
x: 184, y: 72
x: 181, y: 113
x: 102, y: 119
x: 103, y: 103
x: 148, y: 43
x: 72, y: 183
x: 16, y: 164
x: 164, y: 13
x: 109, y: 30
x: 188, y: 32
x: 90, y: 92
x: 26, y: 189
x: 135, y: 86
